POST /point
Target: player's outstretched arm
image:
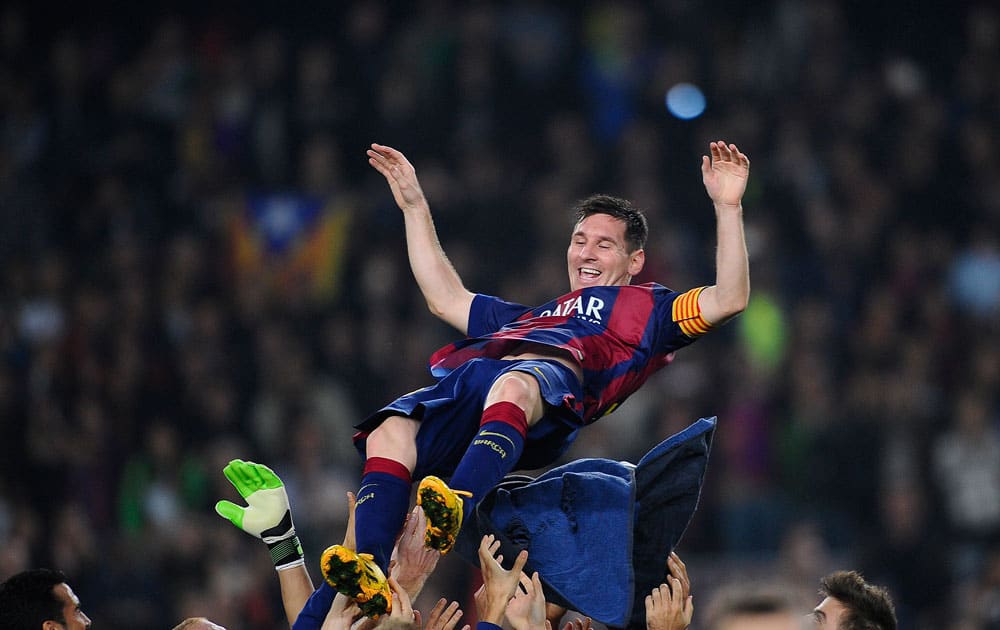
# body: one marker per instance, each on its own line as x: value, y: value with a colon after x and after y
x: 725, y: 176
x: 441, y: 285
x: 268, y: 517
x: 325, y: 608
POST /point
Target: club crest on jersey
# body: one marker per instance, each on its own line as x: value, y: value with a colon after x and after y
x: 575, y: 307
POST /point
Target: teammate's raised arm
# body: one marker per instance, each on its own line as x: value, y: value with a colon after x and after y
x: 725, y: 176
x: 441, y: 285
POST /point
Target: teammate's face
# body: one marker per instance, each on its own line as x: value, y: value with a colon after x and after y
x: 74, y: 616
x: 762, y: 621
x: 828, y: 614
x: 205, y: 624
x: 598, y: 254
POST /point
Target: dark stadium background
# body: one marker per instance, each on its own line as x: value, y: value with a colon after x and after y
x: 857, y: 396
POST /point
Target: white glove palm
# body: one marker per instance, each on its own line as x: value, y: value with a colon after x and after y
x: 267, y: 516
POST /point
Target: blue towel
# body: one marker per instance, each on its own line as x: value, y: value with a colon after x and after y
x: 598, y: 531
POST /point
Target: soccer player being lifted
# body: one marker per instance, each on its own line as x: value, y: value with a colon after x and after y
x: 515, y: 391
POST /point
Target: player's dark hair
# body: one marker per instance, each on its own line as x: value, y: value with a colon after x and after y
x: 869, y: 607
x: 636, y: 228
x: 27, y: 599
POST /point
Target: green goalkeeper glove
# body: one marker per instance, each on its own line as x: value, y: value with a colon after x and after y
x: 267, y: 516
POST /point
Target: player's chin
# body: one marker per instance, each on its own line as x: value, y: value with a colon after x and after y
x: 582, y: 282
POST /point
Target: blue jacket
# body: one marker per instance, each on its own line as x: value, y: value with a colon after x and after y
x: 598, y: 531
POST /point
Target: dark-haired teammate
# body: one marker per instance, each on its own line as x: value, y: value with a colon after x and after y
x: 40, y: 598
x: 514, y: 393
x: 851, y: 603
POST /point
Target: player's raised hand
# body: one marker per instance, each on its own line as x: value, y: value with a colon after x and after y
x: 667, y: 608
x: 499, y: 584
x: 445, y: 616
x: 343, y: 613
x: 267, y: 515
x: 526, y: 610
x: 413, y: 561
x: 400, y: 174
x: 670, y: 605
x: 677, y: 569
x: 580, y: 623
x: 725, y: 173
x: 352, y: 502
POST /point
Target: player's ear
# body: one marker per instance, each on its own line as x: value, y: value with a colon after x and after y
x: 636, y: 261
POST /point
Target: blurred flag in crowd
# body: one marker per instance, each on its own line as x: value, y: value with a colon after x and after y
x: 291, y: 242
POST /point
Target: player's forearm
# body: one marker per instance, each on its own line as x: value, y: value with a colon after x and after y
x: 441, y: 286
x: 296, y: 588
x: 732, y: 279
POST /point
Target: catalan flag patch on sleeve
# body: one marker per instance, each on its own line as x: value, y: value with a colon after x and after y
x: 687, y: 313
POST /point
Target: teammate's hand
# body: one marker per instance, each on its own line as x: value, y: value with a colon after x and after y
x: 499, y: 584
x: 526, y: 610
x: 413, y: 561
x: 267, y: 515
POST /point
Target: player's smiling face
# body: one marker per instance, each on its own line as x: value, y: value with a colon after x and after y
x: 598, y: 254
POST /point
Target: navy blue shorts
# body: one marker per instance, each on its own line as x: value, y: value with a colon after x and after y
x: 450, y: 411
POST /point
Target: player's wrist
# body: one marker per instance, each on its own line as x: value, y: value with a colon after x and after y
x: 418, y: 206
x: 731, y: 207
x: 286, y: 553
x: 412, y: 585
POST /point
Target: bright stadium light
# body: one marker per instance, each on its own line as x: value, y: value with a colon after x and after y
x: 685, y: 101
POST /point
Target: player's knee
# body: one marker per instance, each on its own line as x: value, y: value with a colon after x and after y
x: 395, y: 438
x: 518, y: 388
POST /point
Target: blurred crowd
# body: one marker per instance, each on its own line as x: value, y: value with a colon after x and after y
x: 858, y: 396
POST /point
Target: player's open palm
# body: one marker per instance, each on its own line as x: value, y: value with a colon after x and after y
x: 445, y: 616
x: 725, y: 173
x: 526, y: 610
x: 499, y: 584
x: 400, y: 174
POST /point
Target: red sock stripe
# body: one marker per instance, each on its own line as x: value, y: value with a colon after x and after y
x: 508, y: 413
x: 387, y: 466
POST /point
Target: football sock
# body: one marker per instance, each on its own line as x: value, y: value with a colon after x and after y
x: 493, y: 452
x: 380, y: 511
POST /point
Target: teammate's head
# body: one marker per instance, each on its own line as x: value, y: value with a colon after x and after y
x: 40, y: 598
x: 606, y: 247
x: 197, y: 623
x: 850, y: 603
x: 761, y: 608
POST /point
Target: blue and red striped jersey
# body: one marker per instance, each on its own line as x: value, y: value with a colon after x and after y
x: 619, y: 336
